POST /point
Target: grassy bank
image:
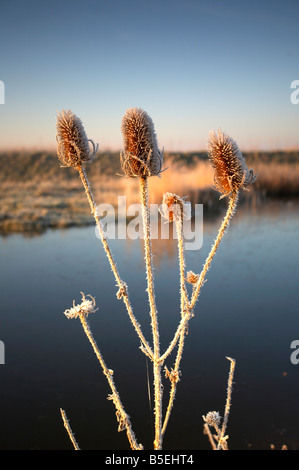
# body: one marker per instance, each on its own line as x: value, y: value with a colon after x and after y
x: 36, y: 193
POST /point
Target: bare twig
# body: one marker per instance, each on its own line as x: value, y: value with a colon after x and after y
x: 222, y: 444
x: 69, y: 430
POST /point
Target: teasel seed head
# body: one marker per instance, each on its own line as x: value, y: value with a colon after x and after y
x: 174, y: 207
x: 85, y: 308
x: 173, y: 375
x: 192, y: 278
x: 72, y: 143
x: 231, y: 172
x: 212, y: 418
x: 141, y: 156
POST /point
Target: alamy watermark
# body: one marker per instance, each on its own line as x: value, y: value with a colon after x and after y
x: 295, y: 354
x: 2, y: 353
x: 2, y: 92
x: 295, y: 94
x: 125, y: 222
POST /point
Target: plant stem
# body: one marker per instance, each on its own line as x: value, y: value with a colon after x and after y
x: 123, y: 290
x: 229, y: 213
x: 222, y: 444
x: 153, y: 311
x: 185, y: 312
x: 69, y: 430
x: 210, y: 436
x: 182, y: 263
x: 122, y: 417
x: 172, y: 344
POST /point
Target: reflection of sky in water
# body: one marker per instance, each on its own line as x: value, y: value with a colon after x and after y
x: 247, y: 310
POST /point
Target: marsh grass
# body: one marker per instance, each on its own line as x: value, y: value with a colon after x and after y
x: 35, y: 194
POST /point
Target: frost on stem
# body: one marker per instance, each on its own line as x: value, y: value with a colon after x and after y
x: 69, y: 429
x: 213, y: 418
x: 122, y: 291
x: 231, y: 171
x: 72, y: 142
x: 141, y: 156
x: 85, y: 308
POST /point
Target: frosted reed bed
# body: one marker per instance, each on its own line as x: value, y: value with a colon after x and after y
x: 142, y: 159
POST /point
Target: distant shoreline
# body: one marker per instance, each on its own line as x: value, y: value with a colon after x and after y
x: 37, y: 194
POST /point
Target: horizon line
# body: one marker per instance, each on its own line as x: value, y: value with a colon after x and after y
x: 52, y: 149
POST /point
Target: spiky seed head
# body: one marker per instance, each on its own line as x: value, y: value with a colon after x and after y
x: 141, y: 156
x: 192, y: 278
x: 86, y: 307
x: 72, y: 142
x: 231, y: 172
x: 212, y: 418
x: 174, y: 207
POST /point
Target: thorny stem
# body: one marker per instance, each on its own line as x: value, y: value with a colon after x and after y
x: 122, y: 417
x: 210, y: 436
x: 182, y: 263
x: 220, y: 436
x: 222, y: 444
x: 190, y: 306
x: 230, y: 212
x: 122, y: 286
x: 69, y: 430
x: 181, y: 326
x: 185, y: 313
x: 153, y: 312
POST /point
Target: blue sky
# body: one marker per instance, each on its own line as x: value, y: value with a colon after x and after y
x: 193, y: 65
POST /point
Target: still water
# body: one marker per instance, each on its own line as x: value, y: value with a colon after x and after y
x: 248, y: 310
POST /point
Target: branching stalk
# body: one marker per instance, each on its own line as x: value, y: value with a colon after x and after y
x: 182, y: 325
x: 142, y: 159
x: 184, y: 301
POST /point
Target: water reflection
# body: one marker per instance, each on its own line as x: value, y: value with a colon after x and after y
x: 247, y: 310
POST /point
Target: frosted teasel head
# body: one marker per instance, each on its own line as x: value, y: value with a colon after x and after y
x: 212, y: 418
x: 73, y: 146
x: 192, y: 278
x: 86, y: 307
x: 141, y: 156
x: 231, y: 172
x: 174, y: 208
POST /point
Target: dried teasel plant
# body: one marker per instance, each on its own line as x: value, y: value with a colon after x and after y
x: 72, y: 151
x: 142, y: 159
x: 66, y: 141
